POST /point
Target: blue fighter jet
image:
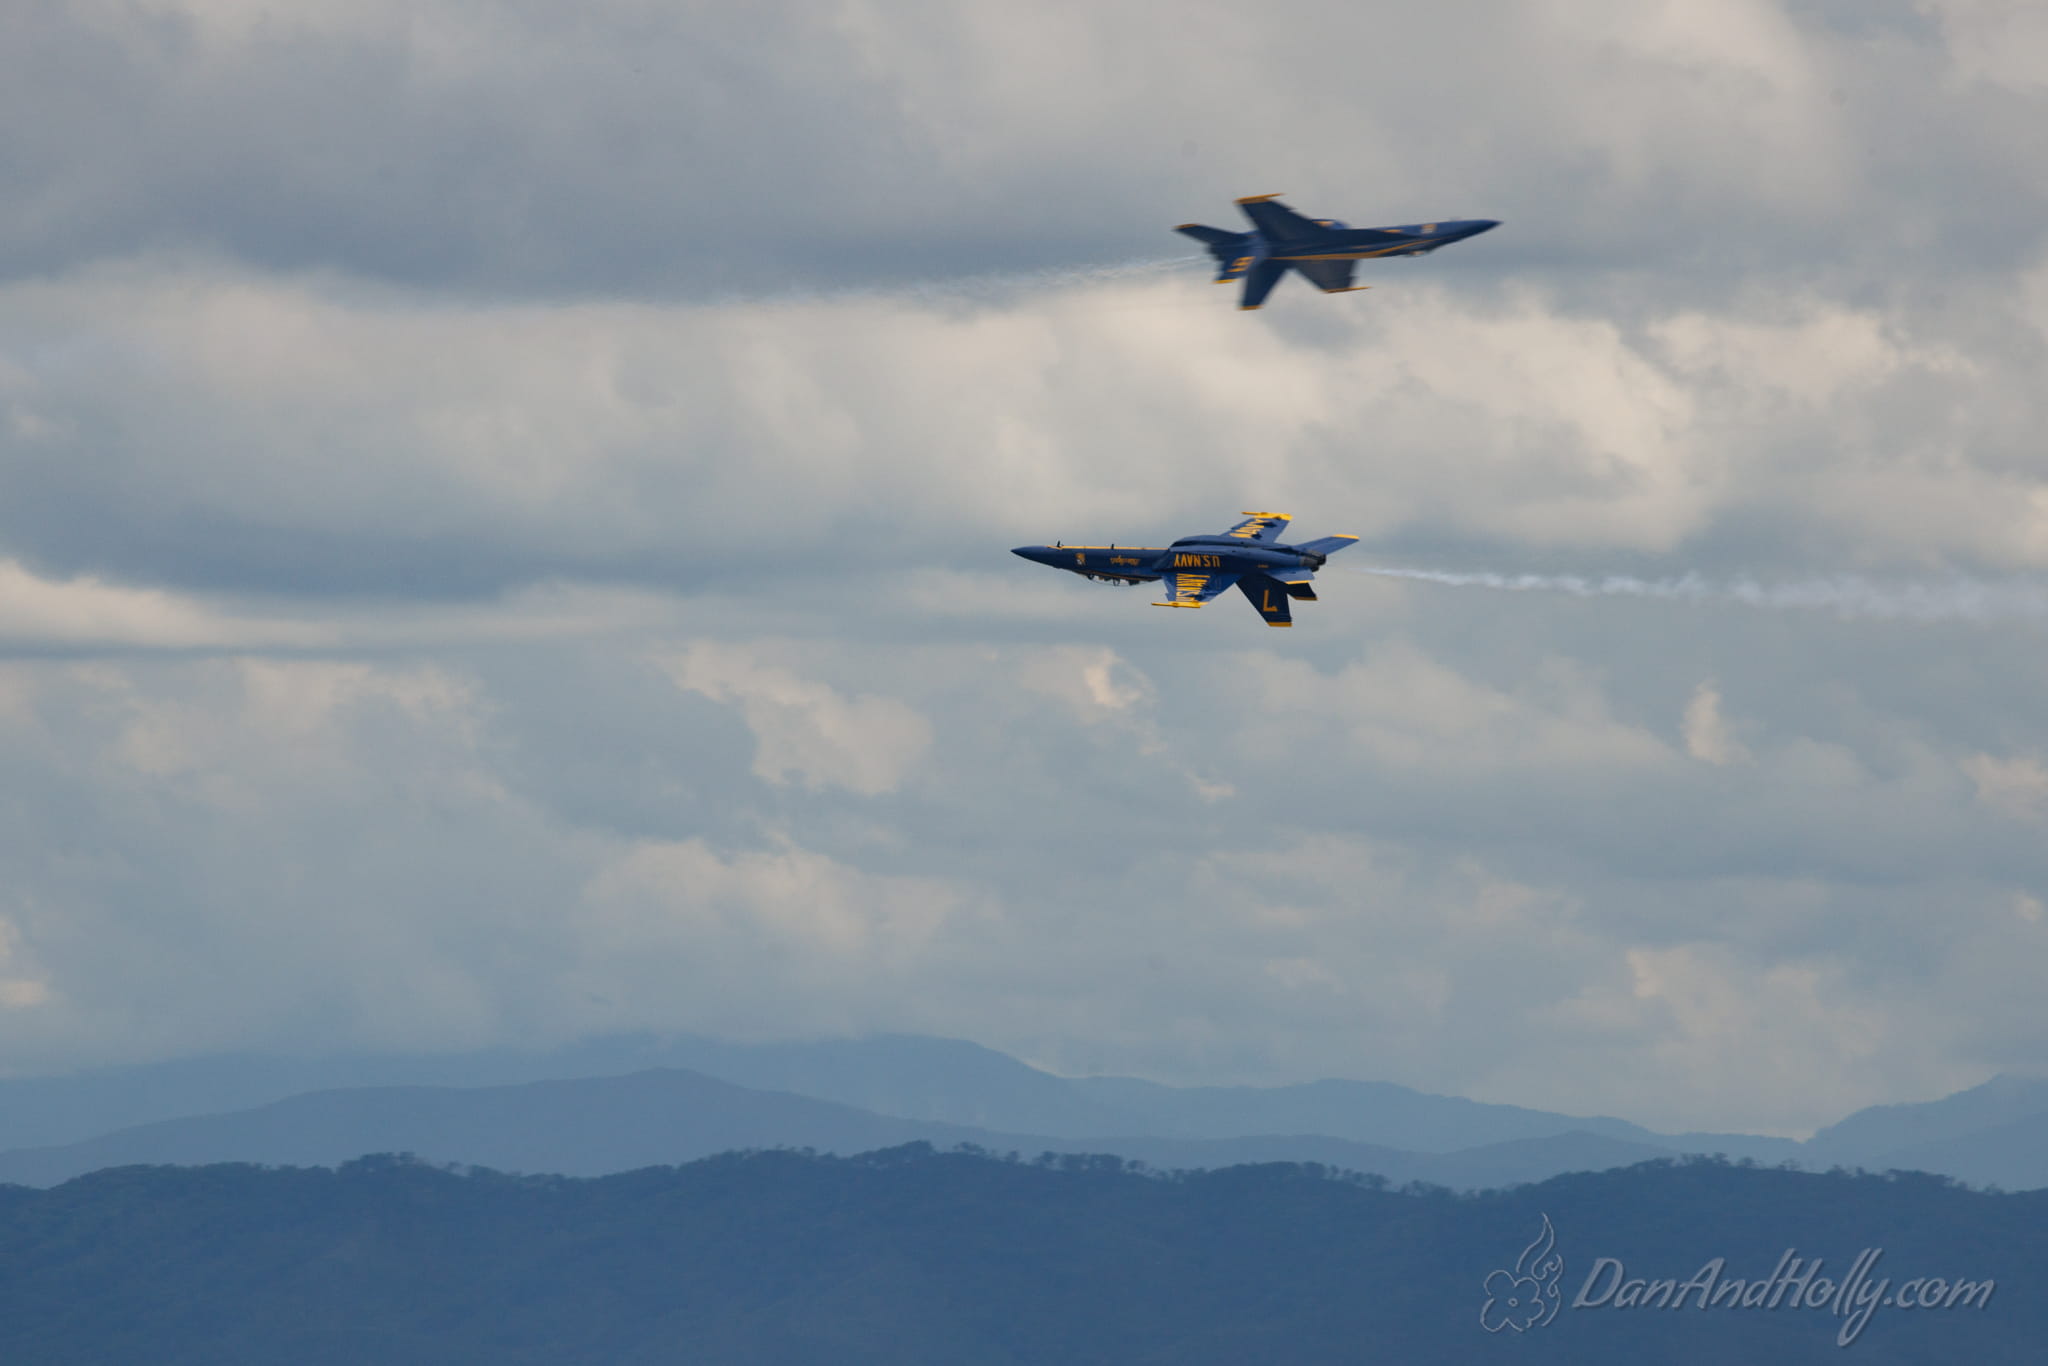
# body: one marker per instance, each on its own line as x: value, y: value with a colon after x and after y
x: 1322, y: 249
x: 1197, y: 568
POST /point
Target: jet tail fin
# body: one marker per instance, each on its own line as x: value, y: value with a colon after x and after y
x: 1269, y: 598
x: 1326, y: 545
x: 1259, y: 280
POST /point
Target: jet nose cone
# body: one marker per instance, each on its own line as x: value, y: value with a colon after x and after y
x: 1478, y: 225
x: 1037, y: 554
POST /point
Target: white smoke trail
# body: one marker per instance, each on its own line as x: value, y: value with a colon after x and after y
x: 972, y: 288
x: 1052, y: 277
x: 1951, y: 599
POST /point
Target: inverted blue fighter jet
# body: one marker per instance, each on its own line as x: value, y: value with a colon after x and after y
x: 1197, y: 568
x: 1322, y: 249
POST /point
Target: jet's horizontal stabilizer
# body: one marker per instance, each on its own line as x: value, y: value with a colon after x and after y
x: 1213, y: 237
x: 1298, y: 585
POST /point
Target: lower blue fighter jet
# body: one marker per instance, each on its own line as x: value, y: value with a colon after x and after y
x: 1197, y: 568
x: 1322, y: 249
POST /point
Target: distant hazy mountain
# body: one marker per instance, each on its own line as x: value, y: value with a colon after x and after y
x: 1755, y: 1147
x: 62, y: 1109
x: 1367, y: 1111
x: 599, y: 1125
x: 918, y: 1078
x: 1876, y: 1136
x: 1981, y: 1135
x: 942, y: 1080
x: 583, y: 1127
x: 956, y: 1082
x: 2013, y: 1155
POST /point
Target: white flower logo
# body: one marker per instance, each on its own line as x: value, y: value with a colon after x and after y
x: 1526, y: 1297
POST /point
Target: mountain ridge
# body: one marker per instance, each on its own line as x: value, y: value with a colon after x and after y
x: 1985, y: 1134
x: 599, y: 1126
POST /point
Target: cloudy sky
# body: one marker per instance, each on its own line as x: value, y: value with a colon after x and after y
x: 504, y: 513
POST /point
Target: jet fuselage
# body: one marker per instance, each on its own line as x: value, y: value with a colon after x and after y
x: 1141, y: 564
x: 1322, y: 251
x: 1343, y: 243
x: 1195, y: 569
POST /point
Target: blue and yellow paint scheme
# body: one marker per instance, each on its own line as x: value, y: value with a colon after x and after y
x: 1322, y: 250
x: 1195, y: 569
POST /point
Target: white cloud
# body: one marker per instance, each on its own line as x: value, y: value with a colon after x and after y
x: 2001, y: 42
x: 20, y: 987
x: 1097, y: 682
x: 2015, y: 787
x: 1707, y: 736
x: 772, y: 909
x: 1401, y: 710
x: 254, y: 431
x: 499, y: 475
x: 805, y: 730
x: 1733, y: 1031
x: 87, y: 611
x: 86, y: 614
x: 1062, y: 745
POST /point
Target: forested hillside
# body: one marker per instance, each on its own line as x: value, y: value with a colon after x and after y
x: 912, y: 1256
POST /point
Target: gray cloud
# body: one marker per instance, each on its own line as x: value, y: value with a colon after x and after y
x: 439, y: 609
x: 223, y: 431
x: 1166, y: 857
x: 661, y: 149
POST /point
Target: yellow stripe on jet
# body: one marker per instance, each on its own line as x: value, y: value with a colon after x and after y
x: 1394, y: 250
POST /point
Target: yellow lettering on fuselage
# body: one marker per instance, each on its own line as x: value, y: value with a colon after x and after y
x: 1198, y: 562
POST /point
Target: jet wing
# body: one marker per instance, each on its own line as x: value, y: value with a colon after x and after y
x: 1278, y: 222
x: 1331, y: 277
x: 1261, y: 526
x: 1192, y: 590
